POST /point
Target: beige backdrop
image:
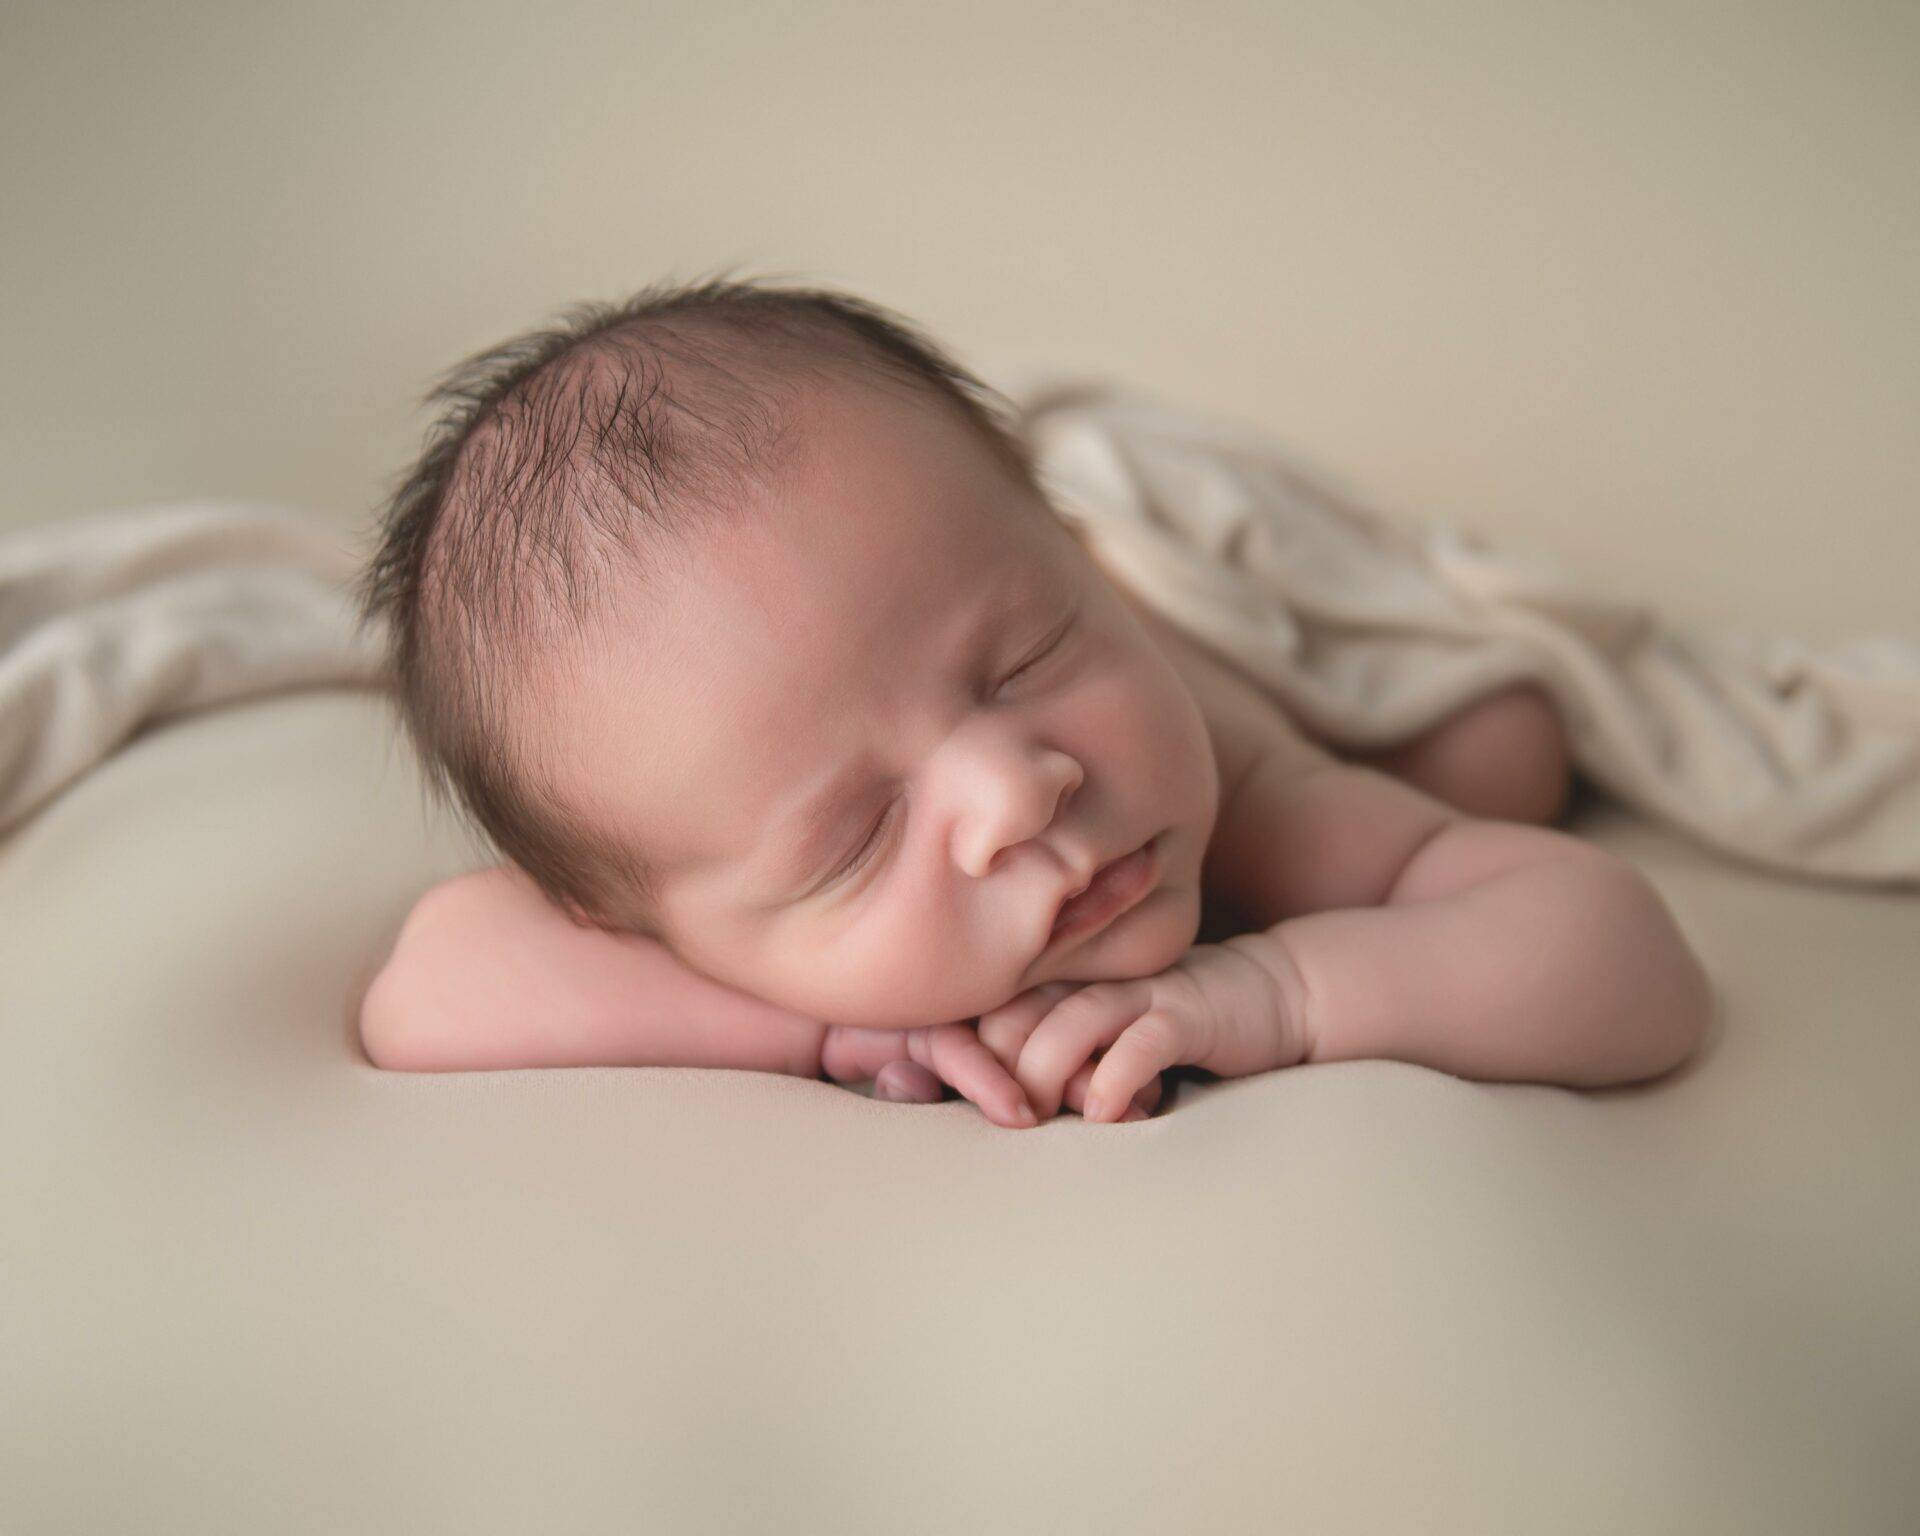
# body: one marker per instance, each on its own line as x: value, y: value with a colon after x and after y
x: 1521, y: 265
x: 1636, y: 283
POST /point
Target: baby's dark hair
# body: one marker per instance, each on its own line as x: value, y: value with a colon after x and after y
x: 603, y: 441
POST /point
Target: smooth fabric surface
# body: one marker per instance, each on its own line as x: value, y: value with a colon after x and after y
x: 251, y: 1283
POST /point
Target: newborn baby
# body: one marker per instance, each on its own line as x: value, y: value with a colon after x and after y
x: 817, y: 742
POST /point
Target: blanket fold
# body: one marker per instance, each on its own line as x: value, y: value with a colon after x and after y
x: 1367, y: 629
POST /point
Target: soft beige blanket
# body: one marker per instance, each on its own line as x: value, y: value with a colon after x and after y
x: 1800, y: 759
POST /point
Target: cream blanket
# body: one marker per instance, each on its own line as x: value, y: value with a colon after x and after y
x: 1369, y: 631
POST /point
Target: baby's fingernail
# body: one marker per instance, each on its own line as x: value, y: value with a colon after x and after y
x: 1023, y: 1114
x: 1093, y: 1109
x: 1136, y: 1113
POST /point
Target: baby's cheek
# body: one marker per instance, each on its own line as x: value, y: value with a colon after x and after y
x: 906, y: 972
x: 889, y: 981
x: 1146, y: 730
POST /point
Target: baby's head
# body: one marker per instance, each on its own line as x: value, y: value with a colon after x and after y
x: 734, y: 615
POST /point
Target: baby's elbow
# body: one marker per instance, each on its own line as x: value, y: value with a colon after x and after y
x: 1673, y: 1036
x: 394, y: 1033
x: 1672, y: 1011
x: 1693, y: 1009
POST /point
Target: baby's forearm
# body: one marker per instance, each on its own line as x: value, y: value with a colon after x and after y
x: 1566, y: 970
x: 487, y: 974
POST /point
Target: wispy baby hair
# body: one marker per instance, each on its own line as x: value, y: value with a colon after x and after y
x: 602, y: 442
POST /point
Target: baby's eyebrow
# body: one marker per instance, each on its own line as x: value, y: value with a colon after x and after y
x: 824, y: 816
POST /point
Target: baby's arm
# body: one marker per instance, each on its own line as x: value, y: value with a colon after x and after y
x: 1395, y: 927
x: 487, y: 974
x: 1389, y: 926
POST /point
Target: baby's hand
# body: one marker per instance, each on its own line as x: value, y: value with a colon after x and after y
x: 1048, y: 1036
x: 1006, y: 1030
x: 913, y: 1066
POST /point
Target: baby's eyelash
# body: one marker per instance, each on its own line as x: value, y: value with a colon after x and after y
x: 1045, y: 651
x: 862, y: 853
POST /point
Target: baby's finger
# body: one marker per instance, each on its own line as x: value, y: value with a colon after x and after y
x: 956, y: 1054
x: 849, y: 1054
x: 1145, y: 1102
x: 1004, y: 1030
x: 1075, y: 1093
x: 1077, y: 1027
x: 1149, y: 1046
x: 907, y: 1082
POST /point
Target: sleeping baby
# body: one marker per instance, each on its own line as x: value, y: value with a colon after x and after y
x: 817, y: 742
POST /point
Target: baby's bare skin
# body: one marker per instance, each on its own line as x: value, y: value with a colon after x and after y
x: 487, y: 974
x: 896, y: 605
x: 1505, y: 758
